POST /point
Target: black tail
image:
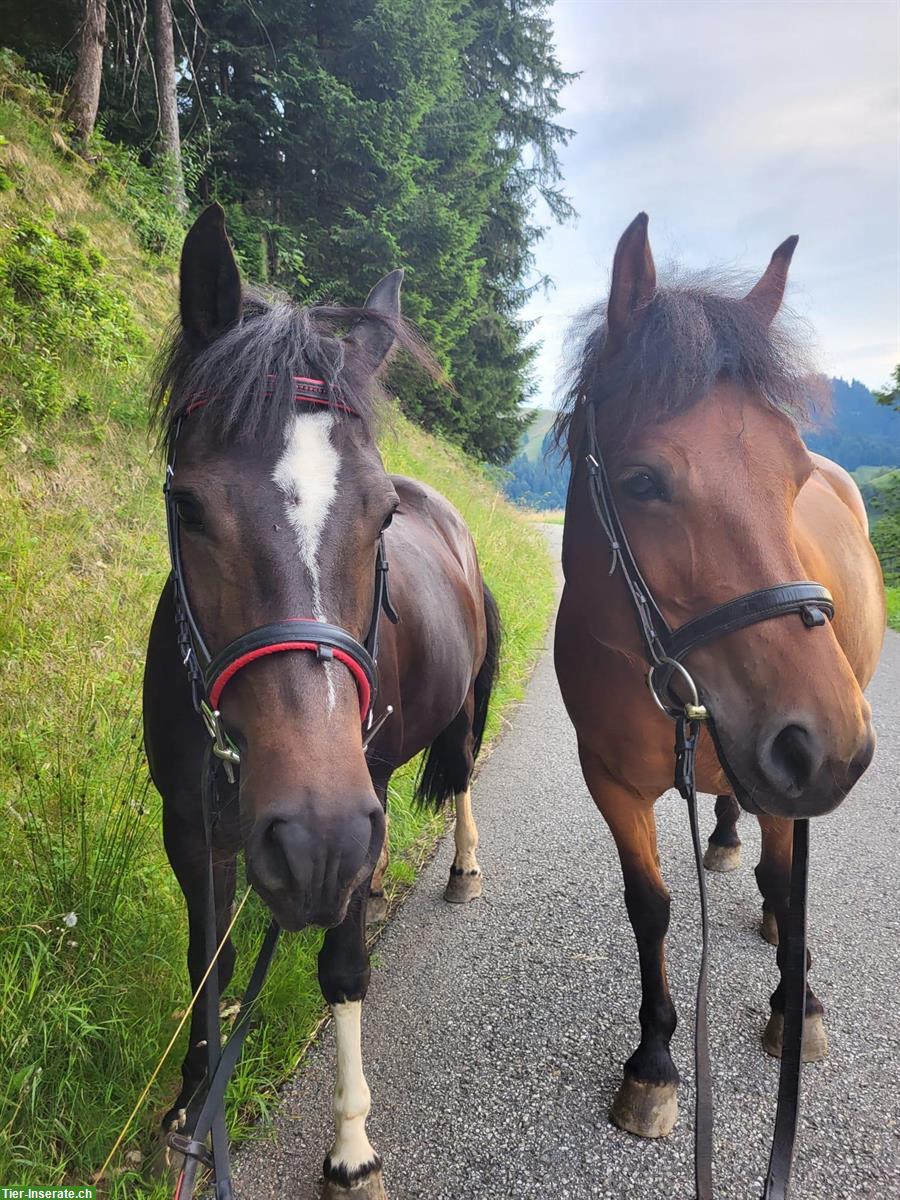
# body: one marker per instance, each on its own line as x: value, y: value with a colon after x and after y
x: 487, y: 676
x: 448, y: 762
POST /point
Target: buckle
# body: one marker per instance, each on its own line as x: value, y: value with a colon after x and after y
x: 223, y: 747
x: 692, y: 709
x: 189, y: 1147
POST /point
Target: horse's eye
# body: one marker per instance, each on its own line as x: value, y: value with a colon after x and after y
x: 387, y: 520
x: 190, y: 513
x: 642, y: 485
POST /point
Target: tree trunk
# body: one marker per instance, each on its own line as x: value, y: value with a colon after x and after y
x: 84, y: 94
x: 164, y: 68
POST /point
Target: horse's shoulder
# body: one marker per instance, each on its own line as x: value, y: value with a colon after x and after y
x: 833, y: 476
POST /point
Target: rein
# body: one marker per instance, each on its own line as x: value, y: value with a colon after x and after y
x: 664, y: 650
x: 209, y: 675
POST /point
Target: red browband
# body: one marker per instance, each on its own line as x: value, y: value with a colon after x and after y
x: 307, y: 391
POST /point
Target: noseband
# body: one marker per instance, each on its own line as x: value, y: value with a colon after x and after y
x: 209, y: 674
x: 665, y: 650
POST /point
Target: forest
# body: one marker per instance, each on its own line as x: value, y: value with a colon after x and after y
x: 344, y: 138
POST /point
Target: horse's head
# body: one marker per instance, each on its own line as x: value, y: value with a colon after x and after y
x: 697, y: 397
x: 280, y: 507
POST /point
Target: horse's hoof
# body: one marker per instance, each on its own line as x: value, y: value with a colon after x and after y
x: 768, y: 929
x: 648, y: 1109
x: 369, y: 1187
x: 462, y: 886
x: 815, y: 1039
x: 377, y: 908
x: 165, y: 1163
x: 722, y: 858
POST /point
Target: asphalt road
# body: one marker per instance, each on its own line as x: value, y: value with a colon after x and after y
x: 494, y: 1034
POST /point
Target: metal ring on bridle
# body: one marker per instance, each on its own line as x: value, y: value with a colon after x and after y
x: 692, y: 708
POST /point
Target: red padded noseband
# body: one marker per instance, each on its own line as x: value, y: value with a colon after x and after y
x: 363, y: 686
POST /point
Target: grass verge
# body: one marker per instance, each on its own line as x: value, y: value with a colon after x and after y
x: 893, y: 607
x: 546, y: 516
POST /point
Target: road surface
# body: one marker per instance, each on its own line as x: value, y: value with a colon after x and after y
x: 494, y: 1034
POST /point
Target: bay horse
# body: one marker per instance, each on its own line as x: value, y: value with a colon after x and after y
x: 282, y: 511
x: 693, y: 395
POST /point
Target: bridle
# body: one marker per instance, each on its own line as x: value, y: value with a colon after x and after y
x: 665, y: 650
x: 209, y: 675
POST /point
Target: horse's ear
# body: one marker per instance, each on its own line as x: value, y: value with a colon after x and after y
x: 376, y: 337
x: 210, y: 281
x: 768, y: 294
x: 633, y: 280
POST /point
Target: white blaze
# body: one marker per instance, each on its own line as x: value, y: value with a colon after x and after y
x: 352, y: 1148
x: 307, y: 473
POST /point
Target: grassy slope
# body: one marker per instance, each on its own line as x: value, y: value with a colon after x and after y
x: 893, y: 605
x: 85, y: 1010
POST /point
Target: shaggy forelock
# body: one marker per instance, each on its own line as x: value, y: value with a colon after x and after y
x: 245, y: 376
x: 695, y: 332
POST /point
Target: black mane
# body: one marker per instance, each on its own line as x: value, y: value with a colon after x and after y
x: 246, y: 374
x: 691, y: 335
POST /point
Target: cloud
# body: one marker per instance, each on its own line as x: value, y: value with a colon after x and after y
x: 734, y: 125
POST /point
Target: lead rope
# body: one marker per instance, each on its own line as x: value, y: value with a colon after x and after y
x: 220, y: 1061
x: 787, y: 1110
x: 686, y: 734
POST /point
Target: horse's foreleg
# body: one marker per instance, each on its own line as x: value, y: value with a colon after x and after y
x: 723, y: 852
x: 351, y: 1168
x: 647, y: 1101
x: 773, y: 874
x: 186, y: 848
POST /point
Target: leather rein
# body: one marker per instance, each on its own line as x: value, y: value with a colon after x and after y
x: 665, y: 649
x: 209, y: 675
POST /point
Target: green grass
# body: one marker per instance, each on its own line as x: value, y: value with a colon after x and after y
x: 86, y: 1009
x: 545, y: 516
x: 893, y: 607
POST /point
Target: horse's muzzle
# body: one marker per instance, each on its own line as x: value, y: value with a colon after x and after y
x: 305, y: 867
x: 801, y: 775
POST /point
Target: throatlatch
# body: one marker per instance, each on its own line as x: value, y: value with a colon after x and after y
x: 678, y: 696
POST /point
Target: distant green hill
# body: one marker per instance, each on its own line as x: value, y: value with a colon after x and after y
x: 533, y: 439
x: 864, y: 475
x: 879, y: 487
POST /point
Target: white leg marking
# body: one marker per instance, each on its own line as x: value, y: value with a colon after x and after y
x: 352, y: 1148
x: 307, y: 474
x: 465, y: 833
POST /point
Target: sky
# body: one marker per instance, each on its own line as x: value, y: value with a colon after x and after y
x: 734, y: 125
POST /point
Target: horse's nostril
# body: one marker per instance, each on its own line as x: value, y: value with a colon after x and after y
x: 272, y: 855
x: 792, y: 757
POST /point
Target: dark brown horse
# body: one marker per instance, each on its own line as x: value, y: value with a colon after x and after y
x: 695, y: 396
x: 281, y: 502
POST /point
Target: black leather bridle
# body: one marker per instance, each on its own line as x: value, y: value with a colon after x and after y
x: 665, y: 650
x: 209, y: 675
